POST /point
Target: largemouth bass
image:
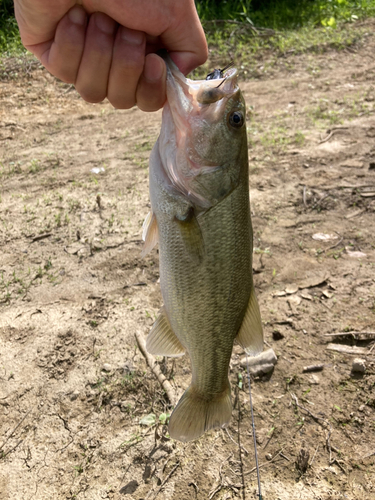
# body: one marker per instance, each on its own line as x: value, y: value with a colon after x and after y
x: 199, y: 190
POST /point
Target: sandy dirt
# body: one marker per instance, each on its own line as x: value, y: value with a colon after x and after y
x: 74, y: 291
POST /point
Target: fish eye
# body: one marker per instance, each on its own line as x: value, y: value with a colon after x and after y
x: 236, y: 119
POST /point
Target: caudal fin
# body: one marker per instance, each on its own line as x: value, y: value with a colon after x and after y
x: 196, y: 414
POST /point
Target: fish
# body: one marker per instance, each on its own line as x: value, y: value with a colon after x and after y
x: 200, y: 217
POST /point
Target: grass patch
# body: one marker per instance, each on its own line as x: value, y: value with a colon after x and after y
x: 10, y: 40
x: 251, y: 51
x: 286, y: 14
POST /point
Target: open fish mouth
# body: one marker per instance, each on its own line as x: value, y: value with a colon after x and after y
x: 192, y: 108
x: 186, y: 96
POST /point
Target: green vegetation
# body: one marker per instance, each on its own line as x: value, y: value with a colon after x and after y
x: 249, y: 30
x: 10, y: 41
x: 244, y: 27
x: 286, y: 14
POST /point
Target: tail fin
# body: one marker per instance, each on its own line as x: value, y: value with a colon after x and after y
x: 196, y: 414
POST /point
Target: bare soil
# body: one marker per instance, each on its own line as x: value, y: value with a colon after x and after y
x: 74, y: 290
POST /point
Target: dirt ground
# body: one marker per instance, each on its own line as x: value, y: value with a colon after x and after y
x: 74, y: 290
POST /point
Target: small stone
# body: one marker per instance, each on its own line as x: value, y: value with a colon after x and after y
x: 362, y: 408
x: 128, y: 366
x: 268, y: 456
x: 359, y: 365
x: 305, y: 295
x: 294, y: 300
x: 107, y: 367
x: 293, y: 288
x: 314, y: 379
x: 261, y: 364
x: 74, y: 395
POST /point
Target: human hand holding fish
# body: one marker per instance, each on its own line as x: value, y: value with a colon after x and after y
x: 199, y: 190
x: 107, y: 48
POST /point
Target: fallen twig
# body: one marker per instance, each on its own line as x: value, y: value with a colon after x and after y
x: 313, y: 458
x: 263, y: 465
x: 14, y: 430
x: 156, y: 369
x: 335, y: 244
x: 230, y: 437
x: 317, y: 419
x: 222, y: 483
x: 348, y: 334
x: 41, y: 237
x: 313, y: 368
x: 331, y: 133
x: 304, y: 196
x: 165, y: 480
x: 347, y: 349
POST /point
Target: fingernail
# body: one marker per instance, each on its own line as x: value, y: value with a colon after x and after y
x: 153, y: 69
x: 77, y: 16
x: 132, y: 36
x: 105, y: 23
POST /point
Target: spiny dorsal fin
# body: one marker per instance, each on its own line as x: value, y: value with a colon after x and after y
x: 150, y: 234
x: 250, y: 335
x: 162, y: 341
x: 191, y: 235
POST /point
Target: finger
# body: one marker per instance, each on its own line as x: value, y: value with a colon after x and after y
x: 92, y: 78
x: 176, y: 22
x: 62, y: 55
x: 151, y: 91
x: 127, y: 66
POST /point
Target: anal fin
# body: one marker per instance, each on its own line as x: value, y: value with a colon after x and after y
x: 150, y: 234
x: 250, y: 334
x: 162, y: 341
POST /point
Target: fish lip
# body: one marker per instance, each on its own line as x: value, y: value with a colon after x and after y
x: 183, y: 93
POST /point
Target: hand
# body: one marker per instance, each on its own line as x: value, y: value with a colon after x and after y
x: 106, y: 48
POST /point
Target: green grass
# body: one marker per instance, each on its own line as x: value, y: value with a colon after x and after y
x: 255, y: 54
x: 10, y: 41
x: 286, y: 14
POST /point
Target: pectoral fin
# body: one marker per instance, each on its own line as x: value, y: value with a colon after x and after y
x: 250, y: 335
x: 162, y: 340
x: 150, y: 234
x: 191, y: 235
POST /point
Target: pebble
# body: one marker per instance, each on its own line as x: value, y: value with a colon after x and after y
x: 107, y: 367
x: 74, y: 395
x: 314, y: 379
x: 359, y: 365
x: 261, y: 364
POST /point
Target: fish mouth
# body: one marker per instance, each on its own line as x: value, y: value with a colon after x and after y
x: 192, y: 96
x: 190, y: 101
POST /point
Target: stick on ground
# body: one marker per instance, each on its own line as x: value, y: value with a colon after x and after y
x: 151, y: 361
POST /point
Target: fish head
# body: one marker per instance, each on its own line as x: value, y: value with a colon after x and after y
x: 203, y: 140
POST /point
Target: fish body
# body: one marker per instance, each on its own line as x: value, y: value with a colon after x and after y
x: 200, y: 216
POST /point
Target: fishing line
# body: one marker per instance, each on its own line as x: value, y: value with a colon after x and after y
x: 253, y: 425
